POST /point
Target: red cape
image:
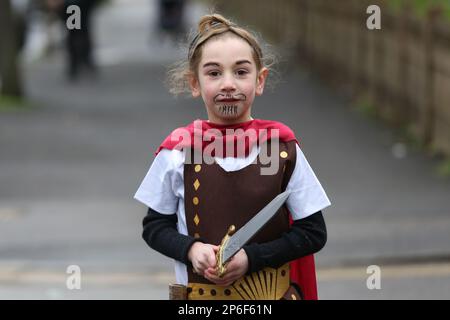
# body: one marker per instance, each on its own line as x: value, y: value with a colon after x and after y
x: 200, y: 134
x: 303, y: 270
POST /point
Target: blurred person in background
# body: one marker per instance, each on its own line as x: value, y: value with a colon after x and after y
x: 13, y: 30
x: 171, y: 18
x: 79, y: 43
x: 21, y: 11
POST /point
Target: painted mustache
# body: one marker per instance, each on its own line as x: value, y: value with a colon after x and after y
x: 229, y: 97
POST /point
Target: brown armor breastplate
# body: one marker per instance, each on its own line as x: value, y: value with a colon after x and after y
x: 216, y: 199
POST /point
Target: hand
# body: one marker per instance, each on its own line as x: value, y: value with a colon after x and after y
x: 236, y: 268
x: 202, y: 256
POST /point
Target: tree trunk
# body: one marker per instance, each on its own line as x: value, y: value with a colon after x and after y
x: 9, y: 64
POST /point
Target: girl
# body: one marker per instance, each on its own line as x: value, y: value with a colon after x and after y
x: 191, y: 205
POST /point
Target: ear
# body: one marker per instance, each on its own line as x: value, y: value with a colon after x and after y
x: 194, y: 85
x: 261, y: 81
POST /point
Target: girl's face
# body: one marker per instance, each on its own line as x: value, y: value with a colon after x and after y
x: 228, y: 79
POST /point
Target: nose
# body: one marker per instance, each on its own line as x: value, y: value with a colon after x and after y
x: 228, y: 84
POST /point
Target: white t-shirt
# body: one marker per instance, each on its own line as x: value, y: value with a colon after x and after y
x: 163, y: 189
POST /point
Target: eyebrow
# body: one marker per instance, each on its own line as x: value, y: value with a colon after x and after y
x: 215, y: 64
x: 243, y: 61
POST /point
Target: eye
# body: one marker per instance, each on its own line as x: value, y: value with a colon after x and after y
x: 213, y: 73
x: 242, y: 72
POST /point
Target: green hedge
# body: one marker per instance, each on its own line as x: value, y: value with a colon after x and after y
x: 421, y: 7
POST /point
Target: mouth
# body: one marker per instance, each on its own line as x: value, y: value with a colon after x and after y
x: 228, y: 98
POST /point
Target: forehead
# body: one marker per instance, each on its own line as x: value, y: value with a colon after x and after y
x: 226, y: 50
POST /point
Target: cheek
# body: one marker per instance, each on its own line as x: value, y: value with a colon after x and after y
x: 249, y: 90
x: 208, y: 90
x: 209, y: 93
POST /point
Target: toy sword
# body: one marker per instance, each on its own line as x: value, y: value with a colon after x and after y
x: 234, y: 241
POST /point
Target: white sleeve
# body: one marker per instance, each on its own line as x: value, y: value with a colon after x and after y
x: 307, y: 195
x: 158, y: 189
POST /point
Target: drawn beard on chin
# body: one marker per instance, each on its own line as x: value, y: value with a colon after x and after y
x: 229, y: 108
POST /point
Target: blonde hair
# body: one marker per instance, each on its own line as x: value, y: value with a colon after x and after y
x: 212, y: 26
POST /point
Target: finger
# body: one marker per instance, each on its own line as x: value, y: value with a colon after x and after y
x: 211, y: 270
x: 199, y: 272
x: 212, y: 274
x: 213, y: 277
x: 230, y: 267
x: 230, y: 278
x: 204, y: 265
x: 226, y: 279
x: 196, y: 268
x: 201, y: 268
x: 212, y: 261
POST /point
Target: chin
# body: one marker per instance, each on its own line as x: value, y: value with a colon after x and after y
x: 229, y: 111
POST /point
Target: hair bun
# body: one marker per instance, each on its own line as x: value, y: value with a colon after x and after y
x: 212, y: 20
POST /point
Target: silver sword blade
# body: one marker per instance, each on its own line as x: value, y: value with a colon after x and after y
x: 244, y: 234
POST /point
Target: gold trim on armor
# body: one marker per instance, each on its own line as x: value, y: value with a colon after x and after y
x: 195, y: 200
x: 196, y: 184
x: 267, y: 284
x: 196, y: 219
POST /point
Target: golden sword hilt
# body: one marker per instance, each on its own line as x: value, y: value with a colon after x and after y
x: 221, y: 265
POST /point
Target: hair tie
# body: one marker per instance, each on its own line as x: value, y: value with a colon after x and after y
x: 211, y: 25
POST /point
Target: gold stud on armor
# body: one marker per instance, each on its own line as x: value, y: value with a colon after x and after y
x: 196, y: 220
x: 196, y: 184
